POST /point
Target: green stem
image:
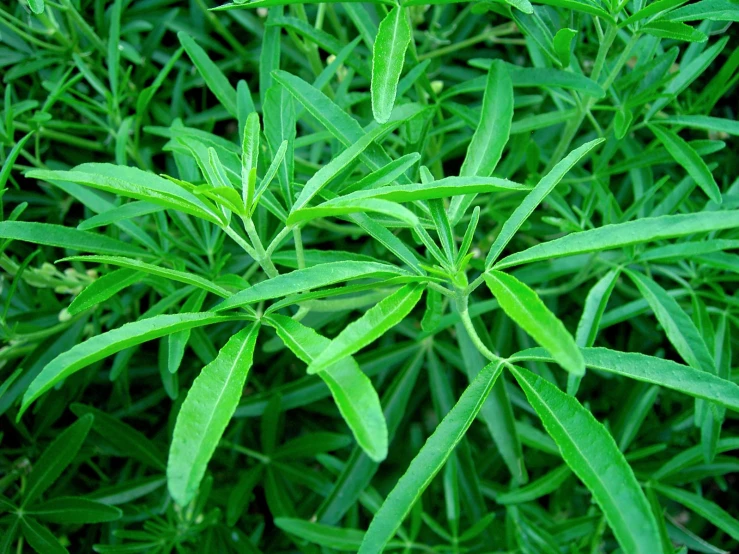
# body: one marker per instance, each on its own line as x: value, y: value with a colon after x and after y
x: 464, y: 314
x: 299, y: 253
x: 262, y: 256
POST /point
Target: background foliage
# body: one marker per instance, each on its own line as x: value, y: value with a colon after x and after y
x: 478, y: 257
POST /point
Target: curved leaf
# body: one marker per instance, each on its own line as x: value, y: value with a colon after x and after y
x: 593, y: 456
x: 206, y: 412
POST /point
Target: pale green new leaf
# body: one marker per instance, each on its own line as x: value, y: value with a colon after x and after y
x: 590, y: 451
x: 368, y: 328
x: 525, y: 307
x: 351, y: 389
x: 388, y: 57
x: 105, y: 344
x: 206, y: 412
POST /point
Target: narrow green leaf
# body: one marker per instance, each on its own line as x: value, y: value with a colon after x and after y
x: 338, y: 538
x: 429, y: 461
x: 372, y: 325
x: 103, y: 288
x: 592, y: 454
x: 544, y: 485
x: 649, y: 369
x: 712, y: 512
x: 127, y: 440
x: 132, y: 183
x: 40, y: 538
x: 157, y: 270
x: 121, y: 213
x: 308, y: 278
x: 678, y: 326
x: 442, y: 188
x: 388, y: 57
x: 55, y: 459
x: 684, y: 155
x: 351, y: 389
x: 534, y: 198
x: 49, y: 234
x: 625, y: 234
x: 346, y: 207
x: 491, y: 134
x: 675, y: 30
x: 206, y: 412
x: 546, y: 77
x: 525, y: 307
x: 74, y: 510
x: 329, y: 171
x: 101, y: 346
x: 214, y: 78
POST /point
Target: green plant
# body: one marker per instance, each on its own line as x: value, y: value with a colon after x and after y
x: 454, y: 277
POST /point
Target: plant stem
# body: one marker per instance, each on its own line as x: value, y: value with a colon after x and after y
x: 464, y: 314
x: 262, y: 256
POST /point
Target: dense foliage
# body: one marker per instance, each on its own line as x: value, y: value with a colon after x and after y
x: 451, y: 277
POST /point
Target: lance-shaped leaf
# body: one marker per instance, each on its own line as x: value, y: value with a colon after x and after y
x: 153, y: 269
x: 214, y: 78
x: 206, y: 412
x: 351, y: 207
x: 534, y: 198
x: 56, y: 458
x: 351, y: 389
x: 74, y: 510
x: 625, y: 234
x: 491, y: 134
x: 132, y: 183
x: 388, y: 57
x: 106, y: 344
x: 678, y: 326
x: 309, y: 278
x: 103, y: 288
x: 372, y: 325
x: 707, y: 509
x: 49, y: 234
x: 124, y: 438
x: 429, y: 461
x: 443, y: 188
x: 343, y: 539
x: 324, y: 175
x: 525, y: 307
x: 686, y: 156
x: 649, y: 369
x: 590, y: 451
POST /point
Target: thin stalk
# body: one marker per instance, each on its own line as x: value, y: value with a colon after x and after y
x: 262, y: 256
